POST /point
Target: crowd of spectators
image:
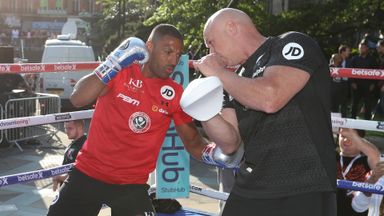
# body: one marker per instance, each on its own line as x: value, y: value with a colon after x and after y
x: 359, y: 98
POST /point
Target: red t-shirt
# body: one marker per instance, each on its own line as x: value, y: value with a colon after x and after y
x: 128, y: 126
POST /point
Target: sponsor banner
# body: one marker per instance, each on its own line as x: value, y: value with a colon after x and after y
x: 357, y: 124
x: 360, y: 186
x: 209, y: 193
x: 172, y: 170
x: 335, y: 129
x: 44, y: 119
x: 86, y: 114
x: 50, y: 67
x: 34, y: 175
x: 360, y: 73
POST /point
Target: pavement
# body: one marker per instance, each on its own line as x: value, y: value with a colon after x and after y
x: 34, y: 198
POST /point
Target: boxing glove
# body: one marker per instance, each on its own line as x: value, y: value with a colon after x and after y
x: 132, y: 50
x: 213, y: 155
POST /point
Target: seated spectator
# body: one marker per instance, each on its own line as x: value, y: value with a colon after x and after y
x: 357, y: 157
x: 371, y: 202
x: 75, y: 131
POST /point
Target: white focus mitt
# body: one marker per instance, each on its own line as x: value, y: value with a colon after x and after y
x: 203, y: 98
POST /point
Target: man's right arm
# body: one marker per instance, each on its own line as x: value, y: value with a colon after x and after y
x: 87, y: 89
x: 132, y: 50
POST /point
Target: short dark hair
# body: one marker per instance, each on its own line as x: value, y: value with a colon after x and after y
x: 364, y: 42
x: 343, y: 48
x: 162, y: 30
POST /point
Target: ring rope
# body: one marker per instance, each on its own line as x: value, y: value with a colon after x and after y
x: 359, y: 73
x: 47, y: 173
x: 85, y: 114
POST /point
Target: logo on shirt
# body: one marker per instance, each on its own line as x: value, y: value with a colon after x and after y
x: 160, y: 110
x: 70, y: 154
x: 258, y: 71
x: 139, y: 122
x: 293, y: 51
x: 128, y: 99
x: 167, y: 92
x: 134, y: 85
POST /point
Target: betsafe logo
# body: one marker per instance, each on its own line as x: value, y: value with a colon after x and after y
x: 293, y: 51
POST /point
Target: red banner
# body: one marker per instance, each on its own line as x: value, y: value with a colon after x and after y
x: 359, y: 73
x: 47, y: 67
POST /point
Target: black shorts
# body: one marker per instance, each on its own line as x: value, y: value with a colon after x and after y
x: 82, y: 195
x: 313, y: 204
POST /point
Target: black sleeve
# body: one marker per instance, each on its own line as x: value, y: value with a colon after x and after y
x: 296, y: 50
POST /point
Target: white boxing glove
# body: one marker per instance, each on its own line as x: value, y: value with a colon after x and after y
x: 203, y: 98
x: 213, y: 155
x: 130, y: 51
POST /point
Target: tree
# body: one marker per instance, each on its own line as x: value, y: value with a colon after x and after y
x: 330, y: 22
x: 121, y: 19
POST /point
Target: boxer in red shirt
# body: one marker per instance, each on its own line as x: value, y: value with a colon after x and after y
x: 136, y: 101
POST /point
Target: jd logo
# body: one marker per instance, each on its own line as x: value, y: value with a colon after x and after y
x: 293, y: 51
x: 167, y: 92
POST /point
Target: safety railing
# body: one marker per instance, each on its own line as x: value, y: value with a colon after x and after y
x: 1, y: 117
x: 42, y: 104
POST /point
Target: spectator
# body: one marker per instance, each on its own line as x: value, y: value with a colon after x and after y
x: 363, y: 89
x: 15, y: 36
x: 380, y: 51
x: 355, y: 160
x: 339, y: 88
x: 363, y: 201
x: 345, y: 52
x: 75, y: 131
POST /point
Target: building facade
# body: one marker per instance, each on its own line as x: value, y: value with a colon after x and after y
x: 26, y: 24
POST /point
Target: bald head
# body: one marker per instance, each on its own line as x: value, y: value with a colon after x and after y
x: 231, y: 34
x: 227, y: 14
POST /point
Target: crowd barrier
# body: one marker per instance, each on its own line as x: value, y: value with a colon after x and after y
x: 41, y: 104
x: 1, y: 117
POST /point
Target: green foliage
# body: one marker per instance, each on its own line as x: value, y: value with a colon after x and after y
x: 122, y: 19
x: 188, y: 16
x: 331, y: 23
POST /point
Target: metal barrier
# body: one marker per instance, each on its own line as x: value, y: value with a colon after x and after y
x: 1, y: 117
x: 42, y: 104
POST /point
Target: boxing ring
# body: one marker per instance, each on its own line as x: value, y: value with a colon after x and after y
x: 24, y: 177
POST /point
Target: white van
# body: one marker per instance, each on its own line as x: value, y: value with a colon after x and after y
x: 64, y: 49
